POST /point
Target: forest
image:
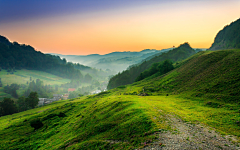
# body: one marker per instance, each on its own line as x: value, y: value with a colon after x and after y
x: 15, y: 56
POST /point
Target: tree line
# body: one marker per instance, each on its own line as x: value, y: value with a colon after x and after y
x: 160, y: 68
x: 19, y: 56
x: 8, y: 106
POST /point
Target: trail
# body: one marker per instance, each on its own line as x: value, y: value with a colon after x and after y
x: 187, y: 136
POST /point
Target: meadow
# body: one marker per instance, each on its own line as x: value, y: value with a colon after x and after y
x: 110, y: 121
x: 202, y: 90
x: 23, y: 76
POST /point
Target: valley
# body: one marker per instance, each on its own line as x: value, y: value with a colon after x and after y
x: 123, y: 119
x: 99, y: 84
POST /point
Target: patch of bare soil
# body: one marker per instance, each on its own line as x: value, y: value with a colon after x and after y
x: 187, y: 136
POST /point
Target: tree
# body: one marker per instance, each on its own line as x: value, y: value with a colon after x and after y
x: 0, y: 82
x: 22, y: 105
x: 166, y: 67
x: 32, y: 99
x: 8, y: 106
x: 12, y: 89
x: 88, y: 78
x: 73, y: 94
x: 56, y: 87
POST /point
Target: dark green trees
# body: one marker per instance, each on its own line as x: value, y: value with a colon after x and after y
x: 12, y: 89
x: 7, y: 107
x: 160, y: 68
x: 32, y: 99
x: 17, y: 56
x: 165, y: 67
x: 22, y: 105
x: 0, y: 82
x: 27, y: 103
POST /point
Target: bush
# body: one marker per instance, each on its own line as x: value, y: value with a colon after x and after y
x: 36, y: 124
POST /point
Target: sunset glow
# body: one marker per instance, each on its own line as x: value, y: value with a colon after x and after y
x: 130, y: 27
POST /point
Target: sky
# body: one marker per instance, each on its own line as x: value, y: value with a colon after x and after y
x: 82, y: 27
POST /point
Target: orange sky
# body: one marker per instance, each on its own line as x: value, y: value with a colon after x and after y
x: 132, y: 28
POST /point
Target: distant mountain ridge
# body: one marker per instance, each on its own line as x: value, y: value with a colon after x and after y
x: 128, y: 76
x: 117, y: 61
x: 228, y: 37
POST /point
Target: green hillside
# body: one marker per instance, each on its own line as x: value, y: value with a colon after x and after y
x: 207, y: 73
x: 15, y: 56
x: 129, y: 76
x: 228, y: 37
x: 22, y: 77
x: 201, y: 91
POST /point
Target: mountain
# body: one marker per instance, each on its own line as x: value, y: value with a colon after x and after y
x: 128, y: 76
x: 228, y: 37
x: 115, y: 61
x: 197, y: 103
x: 20, y: 56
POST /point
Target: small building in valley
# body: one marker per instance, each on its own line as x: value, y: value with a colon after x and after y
x: 57, y: 96
x: 42, y: 101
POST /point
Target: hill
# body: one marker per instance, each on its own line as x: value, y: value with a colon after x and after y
x: 228, y: 37
x: 20, y: 56
x: 115, y: 61
x: 197, y: 103
x: 128, y: 76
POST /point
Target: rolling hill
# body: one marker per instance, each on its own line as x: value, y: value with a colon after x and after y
x: 197, y: 103
x: 20, y: 56
x: 128, y: 76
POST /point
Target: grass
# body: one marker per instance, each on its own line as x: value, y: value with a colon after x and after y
x: 23, y: 76
x: 109, y: 122
x: 120, y: 119
x: 91, y: 122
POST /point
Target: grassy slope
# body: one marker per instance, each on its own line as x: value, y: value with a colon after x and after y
x: 23, y: 76
x: 118, y: 120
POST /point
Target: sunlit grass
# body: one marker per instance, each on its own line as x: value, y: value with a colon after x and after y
x: 120, y: 119
x: 23, y: 76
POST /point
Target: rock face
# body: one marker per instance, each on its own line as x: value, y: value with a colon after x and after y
x: 228, y: 37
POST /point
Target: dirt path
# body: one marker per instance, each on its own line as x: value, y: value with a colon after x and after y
x: 188, y: 136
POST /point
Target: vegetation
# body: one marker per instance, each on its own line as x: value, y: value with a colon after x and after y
x: 228, y: 37
x: 201, y: 89
x: 129, y: 76
x: 40, y: 88
x: 8, y: 106
x: 160, y: 68
x: 16, y: 56
x: 12, y: 89
x: 23, y: 78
